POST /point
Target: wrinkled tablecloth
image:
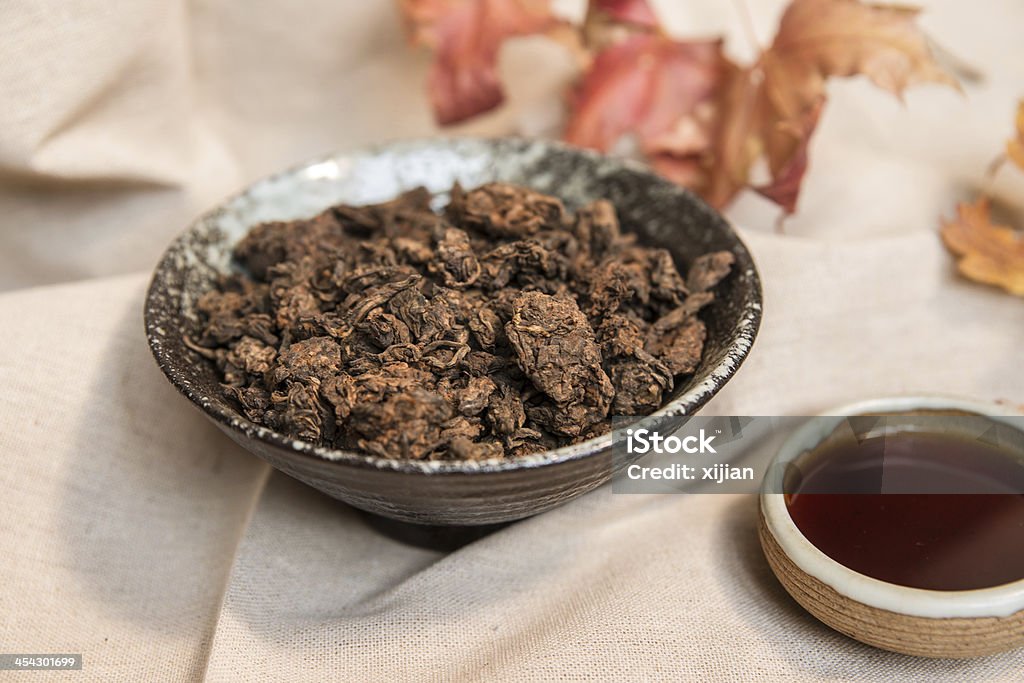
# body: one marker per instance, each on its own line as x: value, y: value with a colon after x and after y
x: 135, y: 533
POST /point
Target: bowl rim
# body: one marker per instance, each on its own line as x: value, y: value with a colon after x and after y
x: 745, y: 332
x: 997, y: 601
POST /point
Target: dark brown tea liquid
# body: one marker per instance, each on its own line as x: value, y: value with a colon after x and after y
x: 954, y: 519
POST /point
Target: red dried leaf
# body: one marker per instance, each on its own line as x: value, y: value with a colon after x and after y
x: 646, y: 85
x: 611, y: 21
x: 700, y: 119
x: 704, y: 121
x: 466, y: 36
x: 786, y: 149
x: 637, y: 12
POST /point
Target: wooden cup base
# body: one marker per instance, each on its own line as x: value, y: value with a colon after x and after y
x: 958, y: 638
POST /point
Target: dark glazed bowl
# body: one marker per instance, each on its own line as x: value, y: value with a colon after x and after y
x: 436, y: 492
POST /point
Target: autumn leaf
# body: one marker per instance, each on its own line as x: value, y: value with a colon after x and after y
x: 992, y: 254
x: 465, y: 36
x: 643, y: 85
x: 787, y: 157
x: 636, y: 12
x: 611, y: 21
x: 822, y: 38
x: 700, y: 119
x: 726, y: 117
x: 1015, y: 147
x: 722, y: 167
x: 816, y: 40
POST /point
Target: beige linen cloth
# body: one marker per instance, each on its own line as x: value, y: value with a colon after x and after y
x: 135, y: 533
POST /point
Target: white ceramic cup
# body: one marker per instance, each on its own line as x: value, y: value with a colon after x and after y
x: 910, y: 620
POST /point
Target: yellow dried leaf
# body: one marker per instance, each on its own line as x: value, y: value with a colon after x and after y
x: 773, y: 108
x: 991, y: 254
x: 1015, y: 147
x: 822, y: 38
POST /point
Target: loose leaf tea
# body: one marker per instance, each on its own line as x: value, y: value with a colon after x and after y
x: 504, y: 326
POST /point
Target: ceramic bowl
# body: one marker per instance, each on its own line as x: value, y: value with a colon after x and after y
x: 435, y: 492
x: 929, y: 623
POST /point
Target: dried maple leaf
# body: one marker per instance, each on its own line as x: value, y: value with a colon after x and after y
x: 642, y: 86
x: 1015, y: 147
x: 700, y: 119
x: 645, y: 84
x: 726, y: 117
x: 992, y: 254
x: 785, y: 89
x: 610, y: 21
x: 466, y: 36
x: 822, y: 38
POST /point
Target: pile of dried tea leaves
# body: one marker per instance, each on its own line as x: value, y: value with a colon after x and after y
x: 504, y: 326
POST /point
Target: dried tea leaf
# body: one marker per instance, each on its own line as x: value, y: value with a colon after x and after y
x: 421, y: 414
x: 465, y: 36
x: 677, y: 338
x: 708, y: 270
x: 470, y: 335
x: 556, y: 349
x: 505, y: 210
x: 991, y: 254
